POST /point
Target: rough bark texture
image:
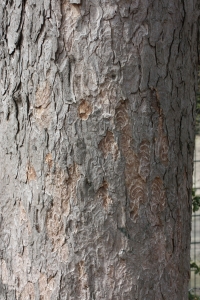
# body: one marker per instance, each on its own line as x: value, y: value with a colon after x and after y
x: 96, y: 138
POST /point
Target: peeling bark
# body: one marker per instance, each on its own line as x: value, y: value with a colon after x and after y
x: 97, y: 136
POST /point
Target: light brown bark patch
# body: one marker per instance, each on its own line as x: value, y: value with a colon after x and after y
x: 16, y: 272
x: 43, y: 116
x: 71, y: 11
x: 81, y: 269
x: 63, y: 189
x: 30, y: 173
x: 42, y: 107
x: 46, y: 287
x: 131, y: 167
x: 64, y: 253
x: 138, y: 196
x: 28, y: 292
x: 136, y: 166
x: 23, y: 218
x: 121, y: 116
x: 161, y: 141
x: 163, y: 148
x: 55, y: 226
x: 82, y: 278
x: 155, y: 102
x: 110, y: 279
x: 103, y: 195
x: 4, y: 272
x: 84, y: 110
x: 70, y: 189
x: 42, y: 95
x: 20, y: 263
x: 108, y: 145
x: 49, y: 160
x: 158, y: 200
x: 144, y: 160
x: 70, y: 15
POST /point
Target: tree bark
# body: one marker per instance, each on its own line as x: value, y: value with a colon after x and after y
x: 96, y: 135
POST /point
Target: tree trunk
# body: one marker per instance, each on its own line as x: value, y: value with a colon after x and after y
x: 97, y: 136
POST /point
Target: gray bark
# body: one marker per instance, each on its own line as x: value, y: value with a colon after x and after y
x: 96, y: 136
